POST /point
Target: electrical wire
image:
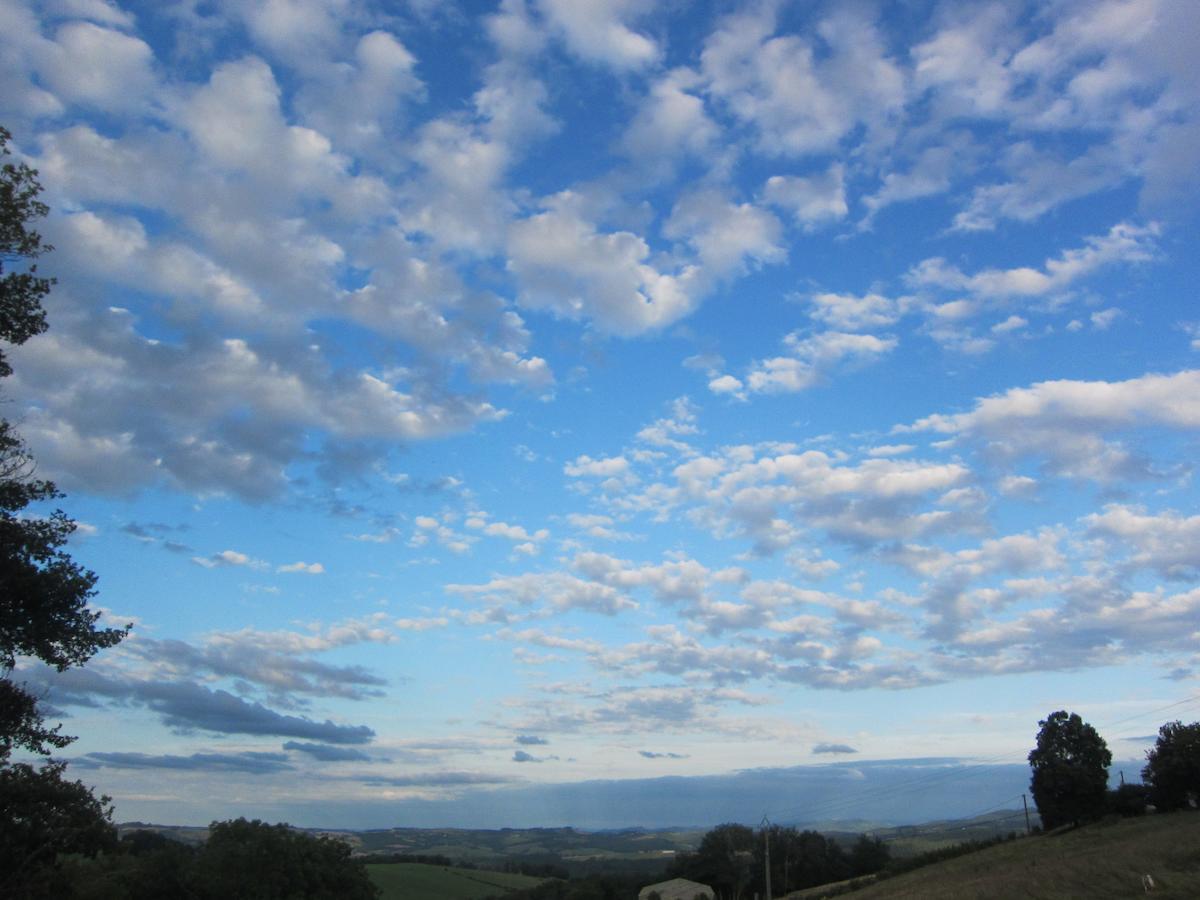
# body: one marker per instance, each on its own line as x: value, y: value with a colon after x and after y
x: 978, y: 767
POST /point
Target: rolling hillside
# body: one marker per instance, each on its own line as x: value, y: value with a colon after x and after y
x: 1105, y: 860
x: 417, y: 881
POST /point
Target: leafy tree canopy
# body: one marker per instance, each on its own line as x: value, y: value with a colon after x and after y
x: 1070, y: 770
x: 21, y: 292
x: 257, y: 861
x: 42, y: 817
x: 44, y: 598
x: 44, y: 593
x: 1173, y: 766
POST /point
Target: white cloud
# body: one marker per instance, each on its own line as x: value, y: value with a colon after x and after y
x: 1067, y: 422
x: 725, y: 235
x: 99, y: 67
x: 964, y: 64
x: 1167, y: 542
x: 1123, y: 243
x: 1009, y: 325
x: 427, y: 528
x: 812, y: 200
x: 304, y: 568
x: 847, y: 312
x: 597, y: 526
x: 358, y: 103
x: 566, y: 266
x: 931, y: 173
x: 546, y: 593
x: 104, y: 12
x: 671, y: 120
x: 228, y: 558
x: 798, y: 102
x: 671, y: 431
x: 598, y: 31
x: 813, y: 358
x: 236, y: 121
x: 727, y: 384
x: 515, y: 533
x: 300, y: 31
x: 605, y: 467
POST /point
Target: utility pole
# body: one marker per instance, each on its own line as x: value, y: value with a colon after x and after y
x: 1028, y: 830
x: 766, y: 827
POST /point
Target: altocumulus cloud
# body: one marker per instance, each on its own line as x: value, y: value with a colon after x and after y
x: 191, y: 707
x: 833, y: 748
x: 249, y: 762
x: 327, y: 753
x: 521, y: 756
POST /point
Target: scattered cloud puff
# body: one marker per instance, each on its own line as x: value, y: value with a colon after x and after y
x: 1072, y: 425
x: 522, y: 756
x: 303, y: 568
x: 228, y: 558
x: 269, y: 207
x: 1123, y: 243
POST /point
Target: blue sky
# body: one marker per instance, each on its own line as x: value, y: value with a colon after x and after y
x: 469, y: 401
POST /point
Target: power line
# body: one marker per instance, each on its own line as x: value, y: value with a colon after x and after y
x: 949, y: 774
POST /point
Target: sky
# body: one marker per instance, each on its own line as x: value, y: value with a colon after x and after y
x: 471, y: 405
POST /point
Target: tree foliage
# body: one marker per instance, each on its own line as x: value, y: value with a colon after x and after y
x: 44, y: 597
x: 732, y: 860
x: 1173, y: 766
x: 1070, y: 770
x: 43, y: 817
x: 242, y: 860
x: 21, y: 291
x: 724, y: 860
x: 44, y: 593
x: 257, y: 861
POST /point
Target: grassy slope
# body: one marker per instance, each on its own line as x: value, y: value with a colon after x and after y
x: 1100, y: 861
x: 416, y: 881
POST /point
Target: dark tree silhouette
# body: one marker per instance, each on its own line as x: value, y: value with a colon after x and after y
x: 251, y: 860
x: 44, y: 594
x: 1070, y: 771
x: 43, y: 817
x: 1173, y: 766
x: 21, y: 292
x: 44, y: 597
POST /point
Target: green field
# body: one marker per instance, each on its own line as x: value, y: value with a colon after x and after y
x: 1105, y: 860
x: 417, y: 881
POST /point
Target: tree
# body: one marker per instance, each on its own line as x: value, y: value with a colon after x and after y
x: 42, y: 817
x: 21, y: 292
x: 1173, y: 766
x: 868, y: 855
x: 257, y: 861
x: 44, y: 597
x: 725, y: 860
x: 44, y: 594
x: 1070, y: 770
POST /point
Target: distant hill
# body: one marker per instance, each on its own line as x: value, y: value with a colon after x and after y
x: 629, y: 849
